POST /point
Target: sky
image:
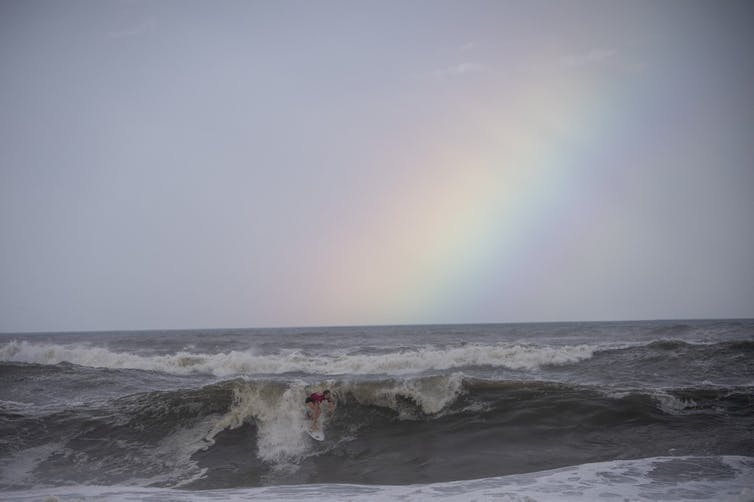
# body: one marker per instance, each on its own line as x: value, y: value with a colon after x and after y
x: 209, y: 164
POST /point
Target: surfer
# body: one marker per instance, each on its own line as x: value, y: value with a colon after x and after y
x: 314, y: 401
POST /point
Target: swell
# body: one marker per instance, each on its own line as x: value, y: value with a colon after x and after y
x: 224, y: 364
x: 391, y: 430
x: 672, y: 344
x: 406, y: 361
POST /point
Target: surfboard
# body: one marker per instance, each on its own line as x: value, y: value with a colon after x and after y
x: 318, y: 435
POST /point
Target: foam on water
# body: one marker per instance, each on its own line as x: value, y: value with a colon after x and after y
x: 18, y: 467
x: 504, y: 355
x: 277, y: 410
x: 176, y: 450
x: 504, y: 403
x: 431, y: 394
x: 673, y: 405
x: 722, y: 479
x: 173, y: 451
x: 278, y: 414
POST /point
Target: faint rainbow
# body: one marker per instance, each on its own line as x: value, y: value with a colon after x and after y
x: 436, y: 242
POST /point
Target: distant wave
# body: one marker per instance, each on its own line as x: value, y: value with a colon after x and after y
x: 510, y: 356
x: 401, y: 361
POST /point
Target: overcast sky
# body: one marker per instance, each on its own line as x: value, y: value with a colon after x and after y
x: 187, y: 164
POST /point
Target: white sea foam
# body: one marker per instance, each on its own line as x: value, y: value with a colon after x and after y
x: 176, y: 450
x: 721, y: 479
x: 673, y: 405
x: 277, y: 410
x: 278, y: 414
x: 431, y: 395
x: 510, y: 356
x: 18, y: 468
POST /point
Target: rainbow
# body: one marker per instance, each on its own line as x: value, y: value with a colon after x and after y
x: 481, y: 220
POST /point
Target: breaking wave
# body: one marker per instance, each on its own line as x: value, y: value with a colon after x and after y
x: 225, y: 364
x: 442, y: 425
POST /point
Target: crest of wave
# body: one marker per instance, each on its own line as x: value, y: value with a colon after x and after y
x: 277, y: 411
x: 511, y: 356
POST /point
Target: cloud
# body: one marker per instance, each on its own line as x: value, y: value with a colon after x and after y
x: 460, y: 69
x: 138, y: 30
x: 591, y: 57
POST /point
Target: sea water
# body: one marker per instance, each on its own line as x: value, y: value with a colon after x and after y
x: 660, y: 410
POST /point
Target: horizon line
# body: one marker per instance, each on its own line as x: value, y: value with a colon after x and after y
x: 356, y: 326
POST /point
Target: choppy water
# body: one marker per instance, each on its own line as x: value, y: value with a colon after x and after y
x: 653, y: 410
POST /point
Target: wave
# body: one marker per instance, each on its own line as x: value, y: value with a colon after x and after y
x: 656, y: 364
x: 742, y: 345
x: 402, y: 361
x: 225, y: 364
x: 672, y: 330
x: 673, y: 344
x: 388, y: 430
x: 724, y: 478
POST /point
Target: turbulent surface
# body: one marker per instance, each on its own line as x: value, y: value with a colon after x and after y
x: 432, y: 405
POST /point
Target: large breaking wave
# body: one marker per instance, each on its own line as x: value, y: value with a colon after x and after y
x: 391, y: 430
x: 224, y: 364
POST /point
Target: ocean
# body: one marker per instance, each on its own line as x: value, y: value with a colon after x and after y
x: 652, y: 410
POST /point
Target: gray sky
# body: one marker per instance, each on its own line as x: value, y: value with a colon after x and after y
x: 185, y: 164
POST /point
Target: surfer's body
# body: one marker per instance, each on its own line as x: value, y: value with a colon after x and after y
x: 314, y: 402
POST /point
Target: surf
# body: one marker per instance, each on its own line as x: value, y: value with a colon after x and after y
x: 726, y: 478
x: 224, y: 364
x: 445, y: 425
x: 415, y: 405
